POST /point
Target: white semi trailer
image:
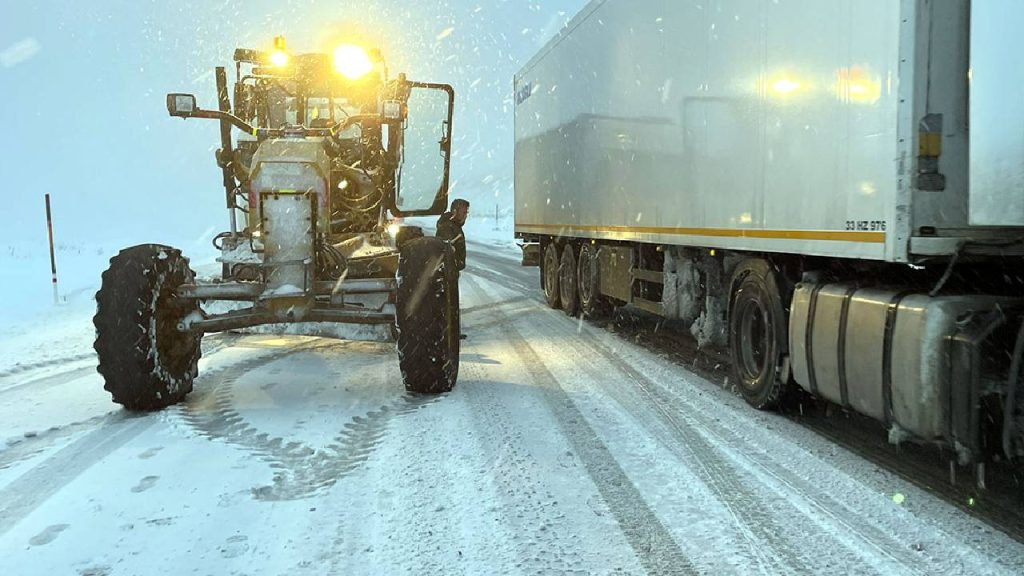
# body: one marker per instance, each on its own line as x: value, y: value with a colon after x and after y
x: 833, y: 190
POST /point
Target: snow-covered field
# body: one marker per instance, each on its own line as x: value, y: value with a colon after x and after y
x: 563, y: 450
x: 35, y: 333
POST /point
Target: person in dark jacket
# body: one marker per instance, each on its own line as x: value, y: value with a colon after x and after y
x: 449, y: 228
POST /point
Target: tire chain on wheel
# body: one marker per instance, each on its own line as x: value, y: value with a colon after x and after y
x: 428, y: 316
x: 147, y: 364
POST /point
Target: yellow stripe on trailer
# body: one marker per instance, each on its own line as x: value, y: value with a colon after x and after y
x: 826, y: 235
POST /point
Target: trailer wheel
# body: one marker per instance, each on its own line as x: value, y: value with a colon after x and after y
x: 757, y: 333
x: 568, y: 287
x: 146, y: 363
x: 549, y: 274
x: 593, y: 304
x: 428, y: 316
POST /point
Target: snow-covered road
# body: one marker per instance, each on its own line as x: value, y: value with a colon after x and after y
x: 564, y: 449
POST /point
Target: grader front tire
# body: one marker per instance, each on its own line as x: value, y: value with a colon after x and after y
x: 147, y: 364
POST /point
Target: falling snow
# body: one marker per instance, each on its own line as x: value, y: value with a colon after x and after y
x: 566, y: 448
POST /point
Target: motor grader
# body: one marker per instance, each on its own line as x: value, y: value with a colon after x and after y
x: 330, y: 153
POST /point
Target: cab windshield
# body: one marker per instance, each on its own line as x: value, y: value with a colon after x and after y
x: 285, y: 108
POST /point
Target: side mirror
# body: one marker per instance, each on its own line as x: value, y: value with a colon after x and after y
x: 181, y: 105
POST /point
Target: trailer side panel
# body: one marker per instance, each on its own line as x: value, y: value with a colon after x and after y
x: 746, y: 125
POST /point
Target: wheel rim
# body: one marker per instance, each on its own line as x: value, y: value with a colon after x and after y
x: 754, y: 341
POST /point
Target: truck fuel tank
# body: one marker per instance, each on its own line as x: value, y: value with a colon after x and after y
x: 907, y: 360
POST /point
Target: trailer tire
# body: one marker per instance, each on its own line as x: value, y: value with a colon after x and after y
x: 427, y: 316
x: 549, y: 276
x: 593, y: 304
x: 568, y: 286
x: 146, y: 363
x: 757, y: 333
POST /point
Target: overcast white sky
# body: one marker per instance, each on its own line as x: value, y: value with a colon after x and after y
x: 82, y: 109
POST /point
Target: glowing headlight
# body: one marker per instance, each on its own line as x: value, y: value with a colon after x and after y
x: 279, y: 59
x: 352, y: 61
x: 393, y: 229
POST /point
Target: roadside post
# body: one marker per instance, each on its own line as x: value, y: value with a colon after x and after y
x: 53, y: 261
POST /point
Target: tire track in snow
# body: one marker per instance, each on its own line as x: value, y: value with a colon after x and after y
x: 543, y: 544
x: 544, y: 541
x: 673, y: 409
x: 766, y: 544
x: 22, y: 496
x: 22, y: 448
x: 211, y: 345
x: 855, y: 530
x: 300, y: 471
x: 479, y: 307
x: 29, y: 491
x: 652, y: 543
x: 688, y: 427
x: 721, y: 477
x: 511, y: 283
x: 52, y: 381
x: 23, y: 368
x: 693, y: 426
